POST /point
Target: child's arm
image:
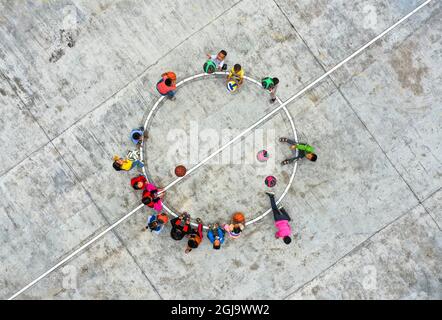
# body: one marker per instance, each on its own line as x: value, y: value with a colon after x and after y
x: 210, y: 236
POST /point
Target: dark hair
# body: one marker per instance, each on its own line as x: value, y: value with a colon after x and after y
x: 314, y: 157
x: 152, y: 225
x: 168, y: 82
x: 146, y: 200
x: 224, y: 52
x: 192, y: 243
x: 116, y: 166
x: 287, y: 239
x: 136, y: 186
x: 136, y: 136
x: 176, y: 234
x: 237, y: 229
x: 237, y: 67
x: 217, y: 247
x: 275, y: 81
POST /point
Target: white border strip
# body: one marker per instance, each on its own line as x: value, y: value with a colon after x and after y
x: 70, y: 256
x: 157, y: 104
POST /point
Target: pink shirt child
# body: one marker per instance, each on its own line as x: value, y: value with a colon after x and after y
x: 158, y: 206
x: 284, y: 229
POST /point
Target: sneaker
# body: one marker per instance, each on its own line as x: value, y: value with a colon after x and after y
x: 285, y: 162
x: 199, y: 220
x: 272, y: 100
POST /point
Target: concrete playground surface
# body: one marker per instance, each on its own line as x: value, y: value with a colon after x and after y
x: 76, y: 76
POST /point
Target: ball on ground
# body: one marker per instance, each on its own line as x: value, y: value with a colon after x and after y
x: 262, y: 156
x: 238, y: 217
x: 232, y: 86
x: 180, y: 171
x: 270, y: 181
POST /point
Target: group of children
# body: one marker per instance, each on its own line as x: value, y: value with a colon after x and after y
x: 166, y: 86
x: 152, y: 196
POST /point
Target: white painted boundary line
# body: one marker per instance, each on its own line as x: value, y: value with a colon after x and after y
x: 71, y: 255
x: 202, y: 75
x: 340, y: 64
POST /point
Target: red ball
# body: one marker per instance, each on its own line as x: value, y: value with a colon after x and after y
x: 270, y: 181
x: 180, y: 171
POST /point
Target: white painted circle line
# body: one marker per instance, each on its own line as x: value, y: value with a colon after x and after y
x: 71, y: 255
x: 157, y: 104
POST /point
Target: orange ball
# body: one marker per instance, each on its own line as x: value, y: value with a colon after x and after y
x: 180, y: 171
x: 238, y: 217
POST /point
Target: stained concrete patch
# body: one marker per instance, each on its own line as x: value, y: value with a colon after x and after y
x: 400, y: 112
x: 409, y: 75
x: 335, y: 29
x: 92, y: 276
x: 19, y: 134
x: 44, y: 213
x: 402, y: 261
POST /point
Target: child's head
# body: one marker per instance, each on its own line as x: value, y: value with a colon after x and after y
x: 117, y: 164
x: 139, y: 185
x: 136, y: 136
x: 236, y: 229
x: 146, y: 200
x: 168, y: 82
x: 311, y: 156
x: 275, y: 81
x: 192, y: 243
x: 237, y: 68
x: 221, y: 55
x: 216, y: 244
x: 153, y: 225
x: 287, y: 239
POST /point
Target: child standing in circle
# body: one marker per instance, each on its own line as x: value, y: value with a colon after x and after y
x: 152, y: 197
x: 216, y: 236
x: 156, y: 222
x: 180, y: 226
x: 167, y: 85
x: 236, y: 74
x: 270, y: 84
x: 195, y: 236
x: 139, y: 182
x: 136, y: 135
x: 218, y: 59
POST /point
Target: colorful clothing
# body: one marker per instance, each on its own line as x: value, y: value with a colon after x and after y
x: 284, y: 228
x: 159, y: 227
x: 238, y: 76
x: 139, y: 131
x: 229, y: 229
x: 165, y: 90
x: 219, y: 63
x: 140, y: 178
x: 151, y: 192
x: 219, y: 232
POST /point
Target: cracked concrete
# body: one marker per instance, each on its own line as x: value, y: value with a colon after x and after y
x: 76, y: 76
